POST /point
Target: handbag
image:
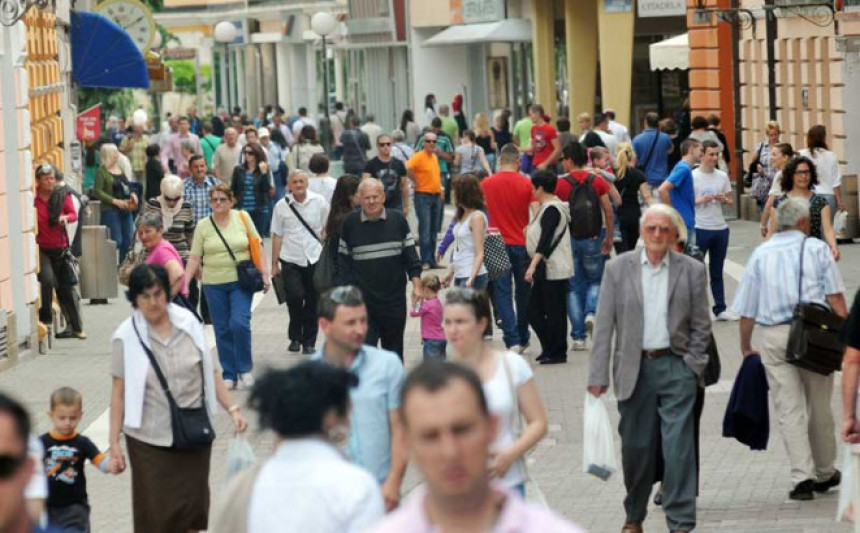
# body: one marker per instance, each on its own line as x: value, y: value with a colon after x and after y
x: 191, y: 426
x: 711, y: 374
x: 324, y: 269
x: 813, y: 340
x: 255, y: 245
x: 133, y: 258
x: 496, y: 258
x: 250, y: 277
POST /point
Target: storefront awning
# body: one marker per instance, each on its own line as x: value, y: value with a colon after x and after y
x: 104, y: 55
x: 503, y: 31
x: 670, y: 54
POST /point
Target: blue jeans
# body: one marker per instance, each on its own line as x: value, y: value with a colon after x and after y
x: 515, y: 326
x: 480, y: 282
x: 434, y: 349
x: 260, y: 217
x: 428, y: 209
x: 120, y: 224
x: 230, y: 310
x: 584, y: 286
x: 715, y: 243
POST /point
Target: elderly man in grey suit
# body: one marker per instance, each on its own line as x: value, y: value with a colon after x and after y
x: 655, y: 301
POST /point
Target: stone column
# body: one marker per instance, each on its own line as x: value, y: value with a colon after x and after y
x: 543, y: 55
x: 282, y: 59
x: 616, y: 61
x: 580, y: 26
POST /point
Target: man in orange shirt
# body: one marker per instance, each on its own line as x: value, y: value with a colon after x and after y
x: 424, y: 170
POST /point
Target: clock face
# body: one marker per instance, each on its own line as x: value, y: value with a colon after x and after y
x: 134, y: 18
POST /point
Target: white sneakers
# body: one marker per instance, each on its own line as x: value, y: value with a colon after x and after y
x: 230, y: 384
x: 728, y: 316
x: 589, y: 325
x: 244, y: 381
x: 579, y: 345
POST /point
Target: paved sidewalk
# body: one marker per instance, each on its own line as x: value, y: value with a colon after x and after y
x: 741, y: 491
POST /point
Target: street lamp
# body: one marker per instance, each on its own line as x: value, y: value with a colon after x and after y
x: 323, y: 23
x: 225, y: 33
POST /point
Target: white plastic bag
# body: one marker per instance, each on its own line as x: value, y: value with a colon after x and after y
x: 845, y: 511
x: 598, y: 449
x: 240, y: 457
x: 840, y: 224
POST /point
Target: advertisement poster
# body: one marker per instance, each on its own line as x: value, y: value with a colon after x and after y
x: 89, y: 126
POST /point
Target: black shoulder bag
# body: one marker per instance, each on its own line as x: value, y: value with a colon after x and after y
x: 192, y: 429
x: 250, y: 278
x: 813, y: 341
x: 303, y: 221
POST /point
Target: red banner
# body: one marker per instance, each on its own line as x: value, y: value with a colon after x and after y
x: 89, y: 125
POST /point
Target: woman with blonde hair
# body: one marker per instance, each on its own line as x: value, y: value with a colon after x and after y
x: 118, y: 202
x: 485, y: 138
x: 762, y: 170
x: 177, y: 215
x: 631, y: 184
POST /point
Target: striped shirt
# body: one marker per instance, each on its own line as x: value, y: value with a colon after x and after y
x: 181, y: 232
x: 198, y: 196
x: 768, y: 290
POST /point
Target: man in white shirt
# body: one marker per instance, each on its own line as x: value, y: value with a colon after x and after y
x: 301, y: 122
x: 713, y: 189
x: 617, y: 129
x: 373, y: 131
x: 601, y: 127
x: 297, y: 224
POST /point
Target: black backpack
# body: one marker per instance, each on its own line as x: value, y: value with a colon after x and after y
x: 586, y: 219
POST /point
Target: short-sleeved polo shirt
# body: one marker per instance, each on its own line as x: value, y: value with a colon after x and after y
x: 426, y: 169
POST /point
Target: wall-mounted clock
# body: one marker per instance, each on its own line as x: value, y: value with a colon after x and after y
x: 132, y: 16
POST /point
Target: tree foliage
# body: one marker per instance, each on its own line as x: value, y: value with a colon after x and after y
x: 119, y: 102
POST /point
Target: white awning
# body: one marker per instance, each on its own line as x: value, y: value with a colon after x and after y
x: 503, y: 31
x: 670, y: 54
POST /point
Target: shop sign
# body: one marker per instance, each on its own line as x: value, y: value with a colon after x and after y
x: 662, y: 8
x: 617, y: 6
x: 473, y: 11
x: 851, y: 6
x: 89, y: 124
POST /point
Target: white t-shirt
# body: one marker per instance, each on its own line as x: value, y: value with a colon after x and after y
x: 324, y: 186
x: 827, y: 166
x: 710, y: 215
x: 500, y: 400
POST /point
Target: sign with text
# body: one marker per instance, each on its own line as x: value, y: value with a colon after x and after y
x: 473, y: 11
x: 617, y: 6
x: 662, y: 8
x: 89, y: 127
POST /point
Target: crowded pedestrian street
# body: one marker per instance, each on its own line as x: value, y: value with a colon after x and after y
x: 741, y: 491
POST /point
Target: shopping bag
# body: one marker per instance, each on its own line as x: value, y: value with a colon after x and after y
x: 845, y: 510
x: 840, y: 224
x: 598, y: 449
x: 240, y: 457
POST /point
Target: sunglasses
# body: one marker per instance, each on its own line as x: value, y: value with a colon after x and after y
x: 345, y: 294
x: 9, y: 465
x: 384, y: 144
x: 173, y: 199
x: 219, y: 200
x: 249, y: 152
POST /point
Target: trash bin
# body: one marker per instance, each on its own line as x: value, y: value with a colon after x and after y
x: 98, y: 264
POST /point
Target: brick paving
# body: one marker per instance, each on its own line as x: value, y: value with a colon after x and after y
x: 741, y: 491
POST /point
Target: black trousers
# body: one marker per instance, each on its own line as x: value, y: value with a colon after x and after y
x: 53, y: 270
x: 198, y: 300
x: 547, y: 312
x: 301, y: 302
x: 629, y: 236
x: 386, y: 323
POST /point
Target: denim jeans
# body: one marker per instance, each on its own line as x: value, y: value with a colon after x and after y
x: 230, y: 310
x: 434, y: 349
x: 428, y: 208
x: 584, y: 286
x: 120, y: 224
x: 715, y: 243
x: 515, y: 326
x: 260, y: 217
x: 480, y: 282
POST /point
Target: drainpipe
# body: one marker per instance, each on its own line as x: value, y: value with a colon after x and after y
x: 739, y: 151
x: 770, y: 38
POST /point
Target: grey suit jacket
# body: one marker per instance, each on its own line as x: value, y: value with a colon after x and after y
x: 620, y: 312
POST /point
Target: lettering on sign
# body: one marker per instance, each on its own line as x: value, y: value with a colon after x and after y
x: 473, y: 11
x: 851, y: 6
x: 618, y: 6
x: 662, y: 8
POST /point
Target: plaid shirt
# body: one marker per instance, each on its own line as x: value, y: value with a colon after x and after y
x: 198, y: 196
x: 137, y: 155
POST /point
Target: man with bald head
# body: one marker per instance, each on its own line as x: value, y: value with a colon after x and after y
x: 377, y: 254
x: 660, y: 352
x: 226, y: 156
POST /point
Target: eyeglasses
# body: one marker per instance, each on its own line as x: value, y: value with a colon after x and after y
x: 10, y: 464
x: 219, y: 200
x: 174, y: 199
x: 653, y: 228
x: 384, y: 144
x: 802, y: 173
x: 250, y: 152
x: 345, y: 294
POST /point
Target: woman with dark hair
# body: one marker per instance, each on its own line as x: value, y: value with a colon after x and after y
x: 798, y: 179
x: 508, y: 383
x: 409, y: 127
x: 252, y: 185
x: 470, y: 156
x: 502, y: 131
x: 469, y: 230
x: 170, y: 486
x: 154, y: 171
x: 551, y: 266
x: 429, y: 108
x: 826, y: 164
x: 306, y: 146
x: 344, y: 200
x: 780, y: 155
x: 307, y: 484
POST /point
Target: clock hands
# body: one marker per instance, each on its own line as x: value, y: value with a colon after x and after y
x: 127, y: 26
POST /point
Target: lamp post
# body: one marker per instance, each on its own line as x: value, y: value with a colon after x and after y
x: 323, y: 24
x: 225, y: 33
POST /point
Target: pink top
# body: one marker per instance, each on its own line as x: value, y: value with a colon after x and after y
x: 517, y: 516
x: 431, y: 319
x: 163, y: 253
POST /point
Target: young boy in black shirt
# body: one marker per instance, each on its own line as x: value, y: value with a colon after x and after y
x: 65, y: 454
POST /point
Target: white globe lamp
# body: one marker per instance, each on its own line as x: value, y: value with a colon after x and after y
x: 225, y: 32
x: 323, y: 23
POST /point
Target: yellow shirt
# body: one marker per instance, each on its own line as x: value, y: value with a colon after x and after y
x: 428, y: 176
x: 218, y: 266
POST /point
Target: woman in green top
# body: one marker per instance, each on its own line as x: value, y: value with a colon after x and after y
x: 117, y: 201
x: 229, y: 303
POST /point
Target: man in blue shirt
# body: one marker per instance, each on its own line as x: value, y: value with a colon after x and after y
x: 678, y: 190
x: 652, y: 149
x: 374, y: 442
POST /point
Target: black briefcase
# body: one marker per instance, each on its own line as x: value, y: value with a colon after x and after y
x: 813, y: 341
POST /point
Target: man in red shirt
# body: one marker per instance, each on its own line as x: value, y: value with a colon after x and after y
x: 508, y: 195
x: 545, y: 146
x: 590, y: 242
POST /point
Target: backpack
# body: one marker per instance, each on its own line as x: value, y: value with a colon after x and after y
x: 585, y: 210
